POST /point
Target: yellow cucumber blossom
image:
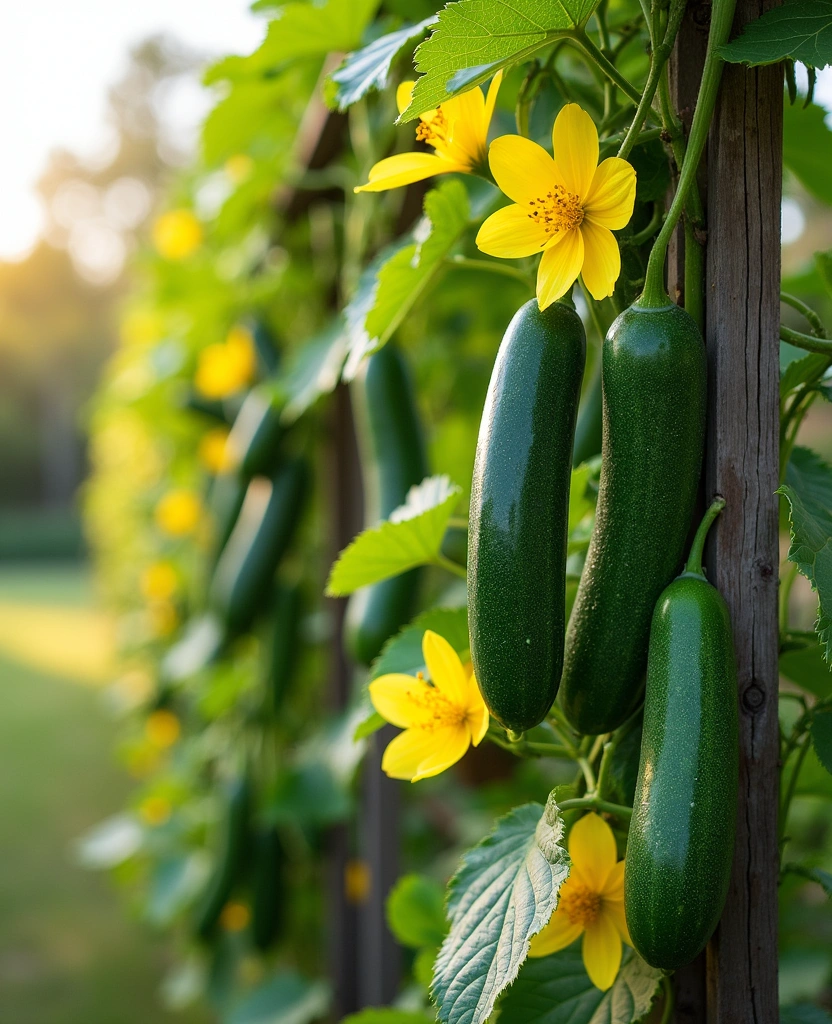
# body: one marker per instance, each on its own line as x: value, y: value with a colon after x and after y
x: 440, y: 721
x: 591, y: 903
x: 566, y: 207
x: 457, y: 130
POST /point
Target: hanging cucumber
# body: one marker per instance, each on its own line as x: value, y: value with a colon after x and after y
x: 520, y: 513
x: 254, y: 438
x: 228, y: 491
x: 267, y: 884
x: 393, y: 460
x: 265, y: 345
x: 230, y: 858
x: 681, y: 839
x: 284, y: 645
x: 654, y: 383
x: 270, y: 513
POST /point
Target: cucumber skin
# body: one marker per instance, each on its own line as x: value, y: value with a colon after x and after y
x: 681, y: 840
x: 394, y: 461
x: 268, y: 892
x: 654, y: 389
x: 230, y: 861
x: 520, y: 513
x: 256, y: 434
x: 284, y: 645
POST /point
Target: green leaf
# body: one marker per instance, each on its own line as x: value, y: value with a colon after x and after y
x: 473, y: 40
x: 502, y: 895
x: 411, y: 536
x: 808, y: 488
x: 804, y: 1013
x: 371, y: 724
x: 392, y: 284
x: 806, y: 667
x: 387, y: 1015
x: 823, y: 266
x: 301, y: 30
x: 579, y: 503
x: 284, y: 999
x: 807, y: 367
x: 800, y: 29
x: 652, y: 171
x: 556, y: 990
x: 823, y: 878
x: 822, y: 737
x: 314, y: 370
x: 403, y: 652
x: 369, y: 68
x: 416, y: 912
x: 807, y: 149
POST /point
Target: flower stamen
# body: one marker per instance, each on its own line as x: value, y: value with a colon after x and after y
x: 559, y: 210
x: 434, y: 129
x: 580, y: 904
x: 437, y: 711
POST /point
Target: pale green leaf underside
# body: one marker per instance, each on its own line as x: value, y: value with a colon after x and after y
x: 475, y: 38
x: 556, y: 990
x: 412, y: 536
x: 808, y: 488
x: 503, y: 894
x: 800, y: 29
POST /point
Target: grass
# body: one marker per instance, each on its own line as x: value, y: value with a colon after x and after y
x: 69, y: 951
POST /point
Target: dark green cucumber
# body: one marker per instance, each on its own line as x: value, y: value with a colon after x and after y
x: 268, y: 892
x: 654, y: 385
x: 266, y: 347
x: 681, y: 840
x: 226, y: 497
x: 264, y: 529
x: 284, y: 645
x: 230, y: 858
x: 393, y: 461
x: 255, y: 437
x: 520, y: 514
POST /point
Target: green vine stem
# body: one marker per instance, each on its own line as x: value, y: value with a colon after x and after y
x: 693, y: 566
x: 806, y: 311
x: 669, y: 1001
x: 808, y: 342
x: 451, y: 566
x: 489, y: 267
x: 790, y: 791
x: 579, y: 38
x: 786, y: 584
x: 640, y: 237
x: 594, y: 803
x: 722, y: 15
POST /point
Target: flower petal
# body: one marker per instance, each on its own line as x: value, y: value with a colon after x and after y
x: 511, y: 233
x: 559, y: 267
x: 612, y: 194
x: 614, y: 909
x: 407, y: 751
x: 491, y: 98
x: 445, y: 668
x: 449, y: 745
x: 602, y: 952
x: 405, y: 168
x: 575, y: 145
x: 555, y: 936
x: 466, y: 116
x: 477, y: 716
x: 393, y: 697
x: 593, y: 852
x: 522, y: 169
x: 403, y: 94
x: 602, y: 260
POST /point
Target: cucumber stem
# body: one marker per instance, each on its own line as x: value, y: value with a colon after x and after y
x: 722, y: 16
x: 693, y: 566
x: 806, y: 341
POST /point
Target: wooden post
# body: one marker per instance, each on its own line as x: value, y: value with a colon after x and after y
x: 742, y: 464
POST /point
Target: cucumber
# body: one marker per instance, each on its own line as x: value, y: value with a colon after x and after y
x: 267, y: 521
x: 265, y: 345
x: 681, y: 840
x: 230, y: 858
x: 268, y: 891
x: 284, y: 645
x: 255, y: 436
x: 654, y: 389
x: 226, y: 497
x: 392, y: 461
x: 520, y: 514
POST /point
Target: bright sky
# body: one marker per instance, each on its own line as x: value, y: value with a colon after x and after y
x: 57, y: 60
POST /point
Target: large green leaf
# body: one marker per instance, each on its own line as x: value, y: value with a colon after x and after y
x: 286, y: 998
x: 804, y: 1013
x: 411, y: 536
x: 807, y: 149
x: 807, y: 367
x: 416, y: 912
x: 556, y: 990
x: 392, y: 284
x: 503, y: 894
x: 823, y: 878
x: 806, y: 667
x: 474, y: 39
x: 403, y: 652
x: 808, y: 488
x: 822, y: 737
x: 800, y: 29
x: 301, y: 30
x: 370, y: 68
x: 314, y: 370
x: 387, y: 1015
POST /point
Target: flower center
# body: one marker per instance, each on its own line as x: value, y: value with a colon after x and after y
x: 434, y: 129
x: 580, y: 904
x: 437, y: 710
x: 559, y: 210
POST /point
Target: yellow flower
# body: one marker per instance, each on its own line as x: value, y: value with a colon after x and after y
x: 159, y: 581
x: 235, y: 916
x: 566, y: 207
x: 440, y: 721
x: 457, y: 130
x: 178, y: 512
x: 176, y: 234
x: 238, y: 168
x: 213, y: 450
x: 591, y: 903
x: 162, y: 729
x: 228, y: 366
x: 155, y: 810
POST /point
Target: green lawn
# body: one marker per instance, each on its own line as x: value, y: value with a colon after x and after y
x: 69, y: 951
